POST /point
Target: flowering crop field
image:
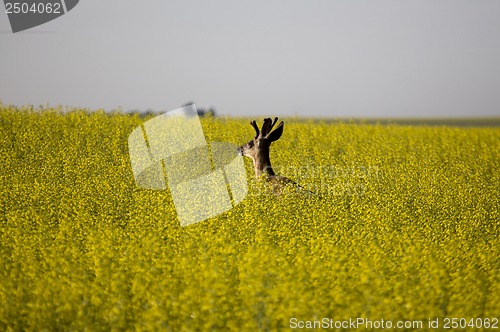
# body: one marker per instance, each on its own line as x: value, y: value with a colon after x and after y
x: 403, y: 225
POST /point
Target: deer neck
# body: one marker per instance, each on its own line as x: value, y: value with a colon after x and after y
x: 262, y: 166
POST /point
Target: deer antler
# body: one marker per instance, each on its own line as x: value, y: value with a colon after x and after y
x: 254, y: 125
x: 274, y: 122
x: 268, y: 126
x: 265, y: 126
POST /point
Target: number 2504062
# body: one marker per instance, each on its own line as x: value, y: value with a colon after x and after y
x: 35, y: 8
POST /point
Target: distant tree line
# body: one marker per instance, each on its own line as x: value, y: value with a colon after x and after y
x: 151, y: 112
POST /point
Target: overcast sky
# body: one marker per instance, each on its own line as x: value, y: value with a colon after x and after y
x: 376, y: 58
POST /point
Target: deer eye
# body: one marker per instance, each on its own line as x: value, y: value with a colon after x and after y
x: 250, y: 144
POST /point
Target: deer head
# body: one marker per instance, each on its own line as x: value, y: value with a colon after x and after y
x: 258, y: 147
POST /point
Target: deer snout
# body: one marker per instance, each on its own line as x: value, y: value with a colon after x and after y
x: 240, y: 150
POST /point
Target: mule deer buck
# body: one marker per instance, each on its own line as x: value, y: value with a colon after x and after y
x: 258, y: 150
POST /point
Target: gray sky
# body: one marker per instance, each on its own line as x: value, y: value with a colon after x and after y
x: 415, y: 58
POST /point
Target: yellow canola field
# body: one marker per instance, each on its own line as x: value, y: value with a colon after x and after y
x: 403, y: 226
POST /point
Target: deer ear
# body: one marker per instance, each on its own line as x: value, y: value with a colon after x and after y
x: 276, y: 133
